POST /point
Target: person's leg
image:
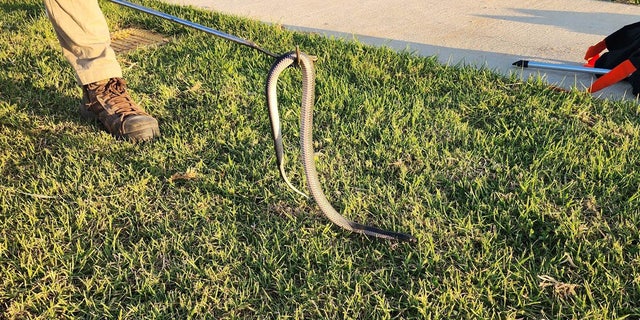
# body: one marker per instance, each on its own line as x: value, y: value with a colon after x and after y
x: 84, y: 36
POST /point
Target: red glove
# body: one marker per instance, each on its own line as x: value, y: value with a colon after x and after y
x: 617, y: 74
x: 595, y: 50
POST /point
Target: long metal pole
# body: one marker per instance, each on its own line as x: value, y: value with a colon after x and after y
x: 194, y: 25
x: 561, y: 67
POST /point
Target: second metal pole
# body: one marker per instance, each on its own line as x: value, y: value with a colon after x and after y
x: 561, y: 67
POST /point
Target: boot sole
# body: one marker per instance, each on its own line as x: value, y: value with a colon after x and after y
x: 144, y: 134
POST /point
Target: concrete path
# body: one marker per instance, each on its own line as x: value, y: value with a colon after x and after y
x: 491, y: 33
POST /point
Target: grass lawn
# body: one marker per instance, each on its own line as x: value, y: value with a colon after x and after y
x: 525, y: 201
x: 627, y: 1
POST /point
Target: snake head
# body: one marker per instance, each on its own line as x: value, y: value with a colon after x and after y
x: 299, y: 53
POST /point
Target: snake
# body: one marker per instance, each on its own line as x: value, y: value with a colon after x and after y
x: 306, y: 64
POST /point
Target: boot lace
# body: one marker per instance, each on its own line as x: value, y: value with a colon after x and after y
x: 118, y: 99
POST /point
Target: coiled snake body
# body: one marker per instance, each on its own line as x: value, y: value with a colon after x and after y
x: 305, y: 62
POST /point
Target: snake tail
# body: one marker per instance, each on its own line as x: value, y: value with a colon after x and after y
x: 276, y: 132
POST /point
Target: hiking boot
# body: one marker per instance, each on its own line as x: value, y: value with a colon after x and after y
x: 109, y: 102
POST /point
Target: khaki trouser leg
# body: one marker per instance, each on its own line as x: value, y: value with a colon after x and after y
x: 84, y: 36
